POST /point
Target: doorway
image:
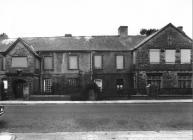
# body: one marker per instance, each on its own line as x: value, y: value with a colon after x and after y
x: 19, y: 88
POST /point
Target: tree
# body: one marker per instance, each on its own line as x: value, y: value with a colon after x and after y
x: 147, y: 32
x: 3, y: 36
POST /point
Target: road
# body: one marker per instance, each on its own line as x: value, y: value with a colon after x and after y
x: 97, y: 117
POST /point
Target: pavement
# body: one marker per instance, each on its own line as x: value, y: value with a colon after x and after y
x: 105, y: 135
x: 15, y: 102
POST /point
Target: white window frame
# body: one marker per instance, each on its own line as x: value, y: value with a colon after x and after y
x: 151, y: 59
x: 98, y: 82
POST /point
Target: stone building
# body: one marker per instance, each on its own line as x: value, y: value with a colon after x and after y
x: 120, y: 65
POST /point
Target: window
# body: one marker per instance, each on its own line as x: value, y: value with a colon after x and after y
x: 170, y: 56
x: 48, y: 85
x: 99, y: 83
x: 37, y: 63
x: 134, y: 57
x: 154, y: 56
x: 5, y: 84
x: 119, y: 84
x: 1, y: 62
x: 184, y: 80
x: 19, y: 62
x: 48, y: 62
x: 119, y: 62
x: 154, y: 79
x: 98, y: 62
x: 185, y: 55
x: 73, y: 82
x: 73, y: 62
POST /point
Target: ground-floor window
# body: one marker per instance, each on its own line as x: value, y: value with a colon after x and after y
x: 119, y: 84
x: 73, y: 82
x: 99, y: 83
x: 184, y: 80
x: 154, y: 79
x: 48, y: 85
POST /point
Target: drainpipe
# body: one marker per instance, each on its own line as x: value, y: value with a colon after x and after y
x: 91, y: 66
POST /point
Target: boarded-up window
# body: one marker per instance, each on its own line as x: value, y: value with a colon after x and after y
x: 119, y: 62
x: 98, y: 62
x: 48, y: 62
x: 48, y: 85
x: 37, y: 63
x: 170, y: 56
x: 154, y: 56
x: 73, y: 62
x: 19, y: 62
x: 185, y: 56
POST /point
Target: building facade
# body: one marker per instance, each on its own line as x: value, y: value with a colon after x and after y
x: 119, y: 65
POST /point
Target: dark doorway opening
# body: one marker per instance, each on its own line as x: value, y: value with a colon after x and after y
x: 18, y: 88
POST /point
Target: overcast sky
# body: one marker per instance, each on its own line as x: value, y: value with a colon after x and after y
x: 23, y: 18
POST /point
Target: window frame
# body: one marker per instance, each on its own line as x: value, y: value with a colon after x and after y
x: 50, y: 86
x: 52, y: 67
x: 19, y: 57
x: 122, y: 80
x: 123, y: 61
x: 181, y: 57
x: 77, y: 58
x: 187, y: 79
x: 159, y: 50
x: 95, y: 63
x: 174, y: 56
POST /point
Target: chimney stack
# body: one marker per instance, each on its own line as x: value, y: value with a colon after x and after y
x: 123, y: 31
x: 180, y: 28
x: 68, y: 35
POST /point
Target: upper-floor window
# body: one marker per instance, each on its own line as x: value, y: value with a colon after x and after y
x: 73, y: 62
x: 185, y: 56
x: 170, y: 56
x: 1, y: 63
x: 154, y: 56
x: 98, y: 62
x: 48, y: 62
x: 18, y: 61
x: 119, y: 62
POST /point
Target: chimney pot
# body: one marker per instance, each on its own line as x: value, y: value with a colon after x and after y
x: 123, y: 31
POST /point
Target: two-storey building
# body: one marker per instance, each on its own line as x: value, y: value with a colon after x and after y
x: 120, y: 65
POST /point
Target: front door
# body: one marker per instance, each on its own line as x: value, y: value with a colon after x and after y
x: 18, y: 88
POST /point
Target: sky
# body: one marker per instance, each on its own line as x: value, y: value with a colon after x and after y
x: 36, y: 18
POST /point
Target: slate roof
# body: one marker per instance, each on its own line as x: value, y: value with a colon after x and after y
x: 77, y: 43
x: 85, y: 43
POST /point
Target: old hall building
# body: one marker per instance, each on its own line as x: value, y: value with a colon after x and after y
x: 120, y: 65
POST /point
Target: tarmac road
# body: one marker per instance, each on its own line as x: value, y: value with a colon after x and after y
x: 49, y: 118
